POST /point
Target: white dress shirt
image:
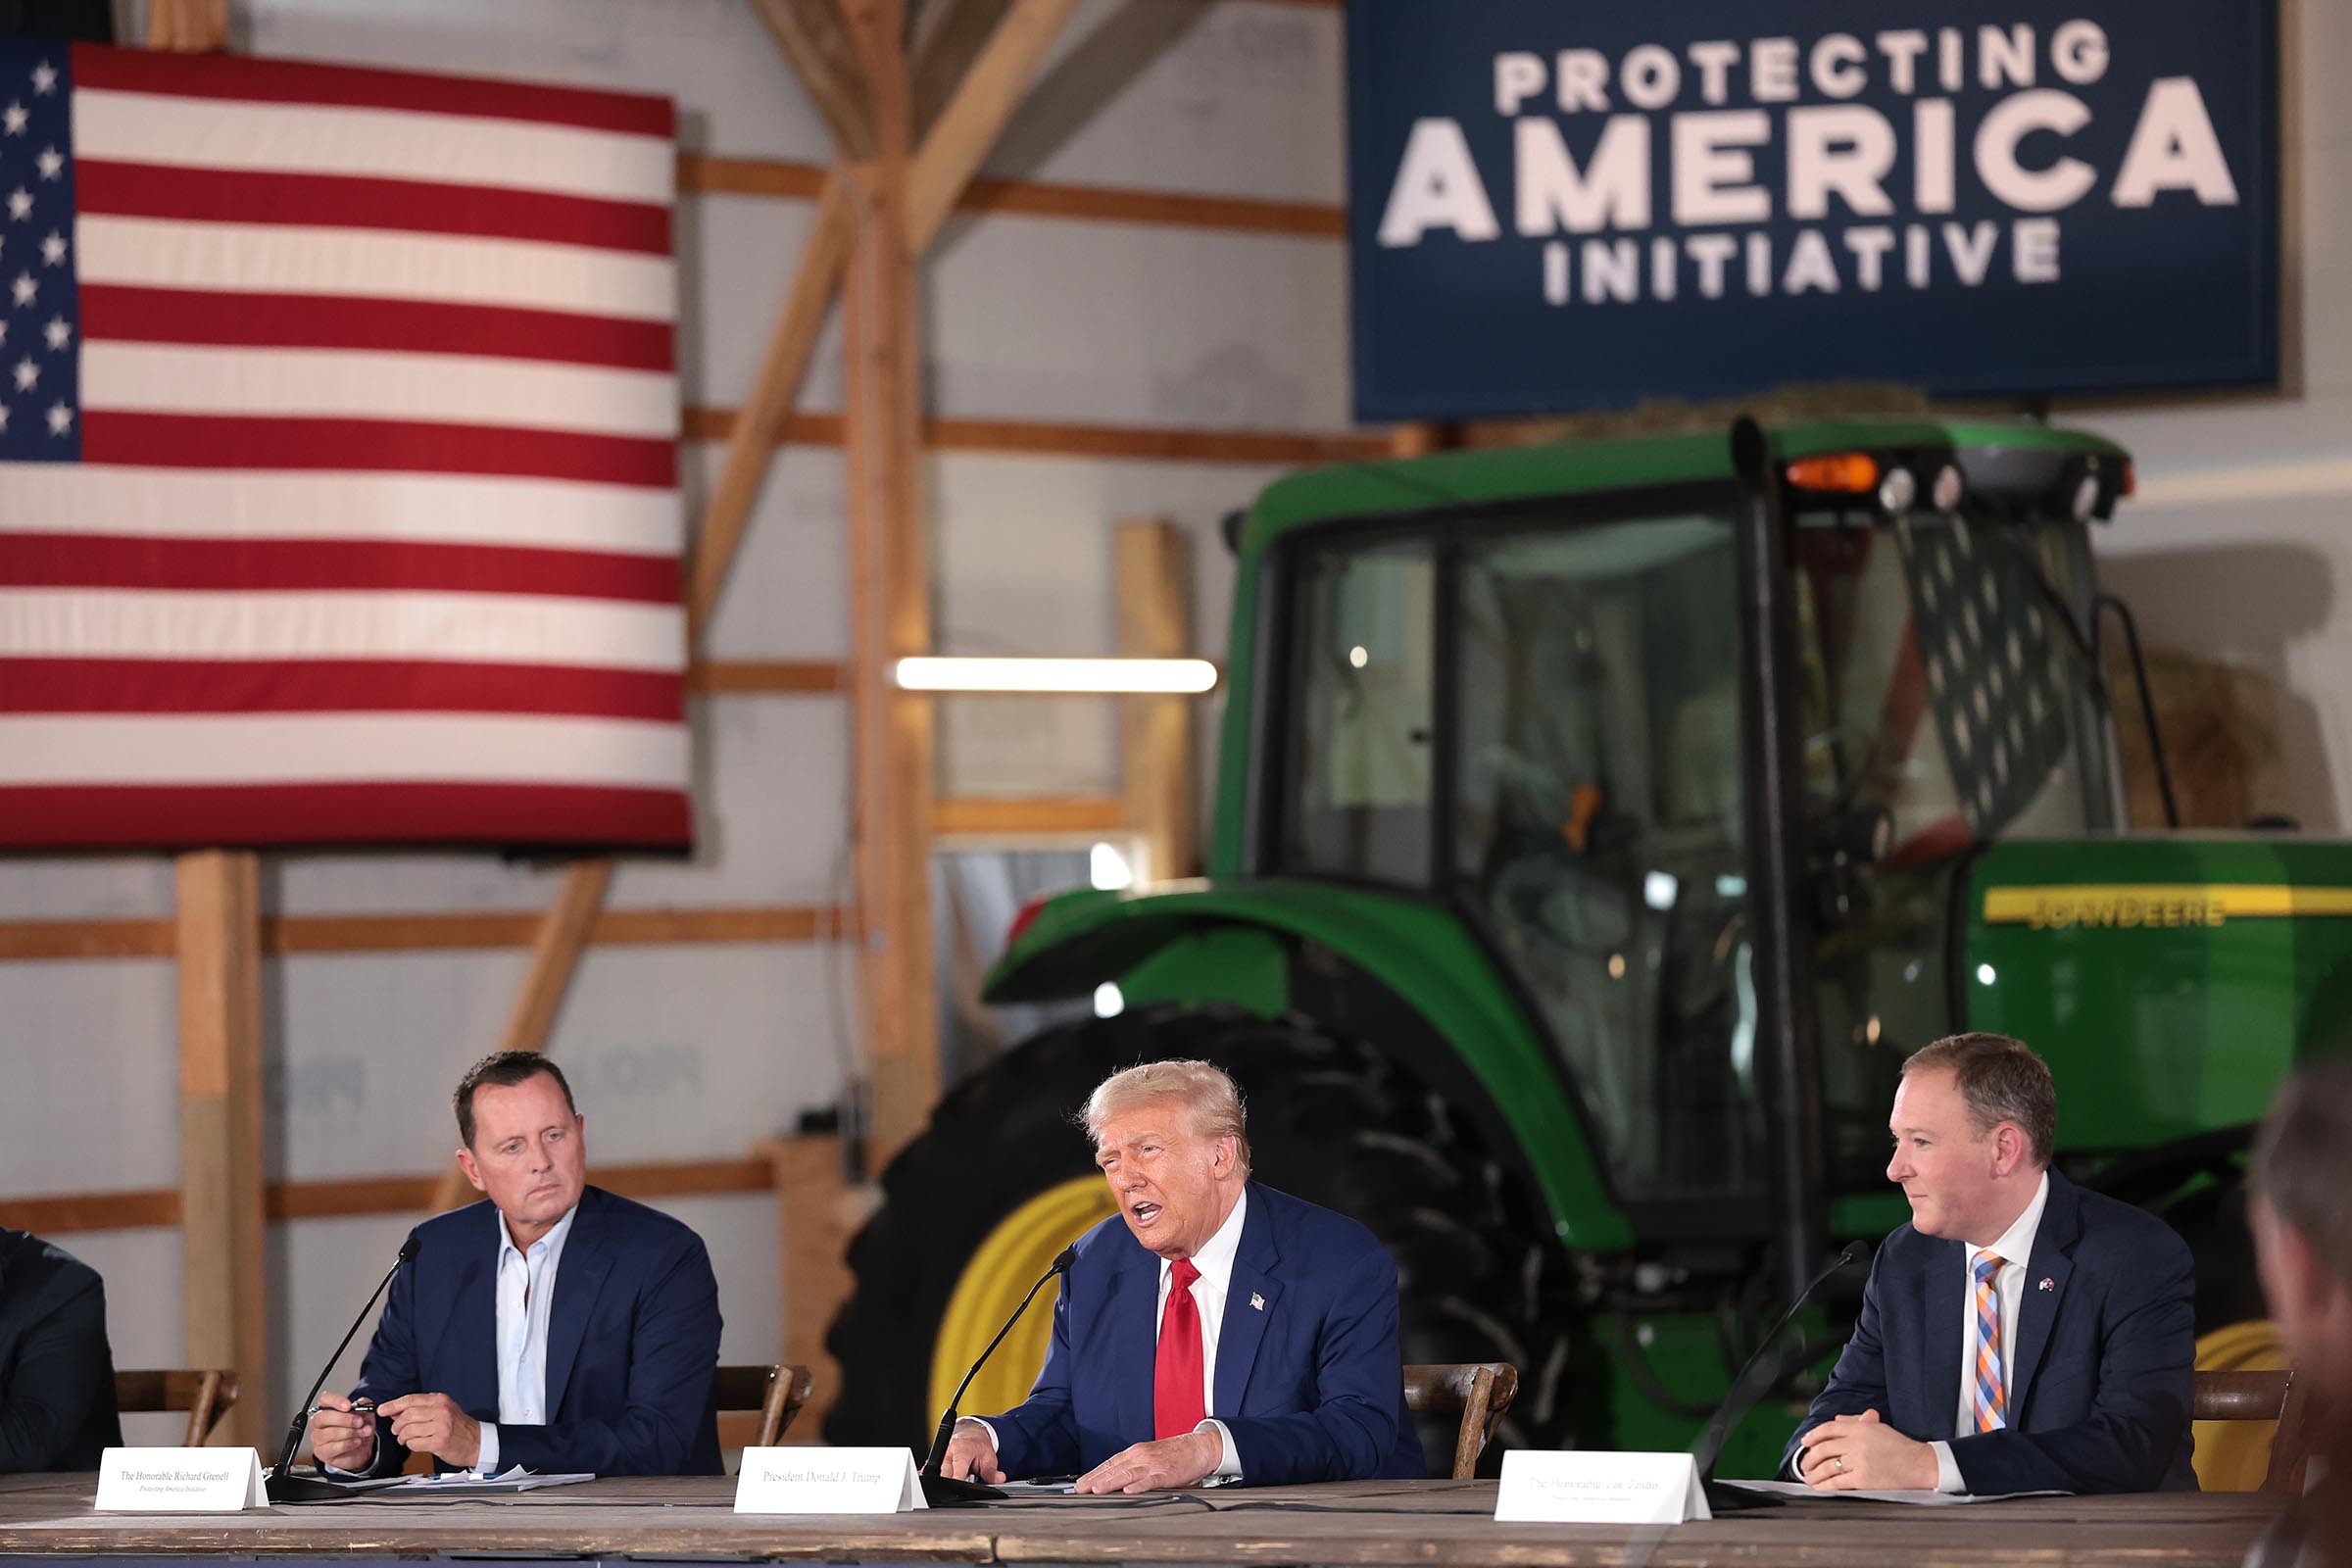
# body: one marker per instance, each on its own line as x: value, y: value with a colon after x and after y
x: 526, y: 1295
x: 2015, y: 1249
x: 1214, y: 1260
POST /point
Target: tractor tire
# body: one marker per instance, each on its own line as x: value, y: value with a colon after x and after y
x: 1480, y: 1274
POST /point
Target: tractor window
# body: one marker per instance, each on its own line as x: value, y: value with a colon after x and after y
x: 1939, y: 684
x: 1360, y: 803
x: 1942, y: 684
x: 1597, y: 832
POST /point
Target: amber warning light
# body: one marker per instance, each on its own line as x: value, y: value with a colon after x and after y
x: 1847, y: 472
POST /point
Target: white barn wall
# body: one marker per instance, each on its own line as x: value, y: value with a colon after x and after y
x: 93, y: 1100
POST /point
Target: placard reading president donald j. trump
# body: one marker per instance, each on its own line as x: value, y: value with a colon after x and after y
x: 1562, y: 204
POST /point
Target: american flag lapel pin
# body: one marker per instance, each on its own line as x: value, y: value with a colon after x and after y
x: 1257, y: 1303
x: 2048, y: 1284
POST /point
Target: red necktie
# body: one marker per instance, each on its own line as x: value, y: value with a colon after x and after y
x: 1178, y: 1404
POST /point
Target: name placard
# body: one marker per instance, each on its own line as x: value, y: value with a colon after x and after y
x: 827, y: 1480
x: 179, y: 1481
x: 1553, y: 1485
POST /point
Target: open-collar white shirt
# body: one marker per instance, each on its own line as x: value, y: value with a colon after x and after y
x: 526, y: 1295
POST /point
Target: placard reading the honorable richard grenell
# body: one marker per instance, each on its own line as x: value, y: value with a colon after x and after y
x: 1559, y: 204
x: 179, y: 1481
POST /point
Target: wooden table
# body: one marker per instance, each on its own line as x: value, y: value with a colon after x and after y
x: 1431, y: 1524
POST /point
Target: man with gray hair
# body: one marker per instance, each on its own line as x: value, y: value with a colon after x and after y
x: 2019, y: 1333
x: 1216, y: 1330
x: 2303, y: 1245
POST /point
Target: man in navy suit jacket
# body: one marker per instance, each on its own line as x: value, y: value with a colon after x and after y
x: 555, y: 1326
x: 2061, y: 1361
x: 1214, y: 1328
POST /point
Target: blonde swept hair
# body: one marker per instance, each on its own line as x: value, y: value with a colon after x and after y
x: 1202, y: 1087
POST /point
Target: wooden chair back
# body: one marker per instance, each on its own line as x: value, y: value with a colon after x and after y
x: 1482, y: 1391
x: 774, y: 1394
x: 205, y: 1392
x: 2278, y: 1397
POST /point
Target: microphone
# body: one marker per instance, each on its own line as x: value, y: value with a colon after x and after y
x: 285, y: 1484
x: 942, y: 1492
x: 1747, y: 1389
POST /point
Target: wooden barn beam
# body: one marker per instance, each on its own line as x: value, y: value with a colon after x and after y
x: 817, y: 43
x: 890, y: 595
x: 1153, y: 574
x: 189, y: 26
x: 225, y: 1275
x: 974, y: 116
x: 949, y: 35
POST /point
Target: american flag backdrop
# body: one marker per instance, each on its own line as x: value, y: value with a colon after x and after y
x: 338, y: 451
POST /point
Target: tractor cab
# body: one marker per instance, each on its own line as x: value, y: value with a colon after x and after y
x: 1530, y: 711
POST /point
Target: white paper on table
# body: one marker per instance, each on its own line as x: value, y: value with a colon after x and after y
x: 515, y: 1478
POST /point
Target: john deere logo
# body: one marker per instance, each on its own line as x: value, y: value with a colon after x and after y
x: 2124, y: 908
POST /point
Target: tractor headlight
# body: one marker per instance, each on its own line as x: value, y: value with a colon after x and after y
x: 1947, y: 493
x: 2087, y: 497
x: 1897, y: 491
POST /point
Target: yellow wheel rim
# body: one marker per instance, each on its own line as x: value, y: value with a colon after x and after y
x: 2234, y: 1455
x: 1006, y: 1264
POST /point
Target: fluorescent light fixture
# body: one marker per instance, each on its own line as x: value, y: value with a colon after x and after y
x: 1109, y: 675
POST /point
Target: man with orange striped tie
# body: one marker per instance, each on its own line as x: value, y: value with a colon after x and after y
x: 2019, y: 1333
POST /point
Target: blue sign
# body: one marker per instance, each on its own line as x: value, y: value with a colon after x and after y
x: 1564, y: 204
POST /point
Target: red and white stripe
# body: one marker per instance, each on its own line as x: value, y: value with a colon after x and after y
x: 376, y: 530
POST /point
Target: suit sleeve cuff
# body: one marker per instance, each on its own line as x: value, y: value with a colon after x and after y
x: 486, y: 1460
x: 1229, y: 1463
x: 1948, y: 1469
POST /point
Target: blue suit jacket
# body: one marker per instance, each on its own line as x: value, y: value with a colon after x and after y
x: 1308, y: 1384
x: 632, y: 1342
x: 2102, y: 1369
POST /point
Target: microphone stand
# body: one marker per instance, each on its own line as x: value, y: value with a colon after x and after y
x: 287, y: 1487
x: 944, y: 1492
x: 1746, y: 1389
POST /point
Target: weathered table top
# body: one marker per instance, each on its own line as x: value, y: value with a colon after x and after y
x: 1445, y: 1523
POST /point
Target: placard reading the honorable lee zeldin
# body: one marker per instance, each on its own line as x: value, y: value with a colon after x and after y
x: 1561, y: 204
x: 1553, y: 1485
x: 827, y: 1480
x: 179, y: 1481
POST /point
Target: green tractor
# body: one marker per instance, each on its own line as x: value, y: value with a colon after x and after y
x: 1598, y: 826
